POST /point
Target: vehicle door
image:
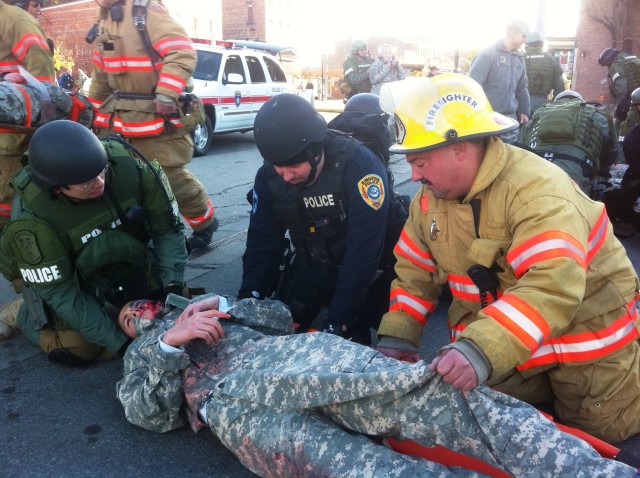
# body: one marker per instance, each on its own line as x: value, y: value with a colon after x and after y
x: 278, y: 79
x: 260, y: 83
x: 235, y: 106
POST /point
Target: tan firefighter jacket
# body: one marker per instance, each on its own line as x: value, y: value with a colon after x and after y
x: 566, y: 289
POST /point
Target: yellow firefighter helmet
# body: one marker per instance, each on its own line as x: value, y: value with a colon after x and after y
x: 434, y: 112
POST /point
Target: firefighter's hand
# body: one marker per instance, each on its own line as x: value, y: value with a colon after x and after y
x: 165, y: 105
x: 523, y: 118
x: 398, y: 349
x: 455, y: 369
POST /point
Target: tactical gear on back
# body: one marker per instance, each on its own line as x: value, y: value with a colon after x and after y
x: 539, y: 66
x: 568, y: 122
x: 631, y: 65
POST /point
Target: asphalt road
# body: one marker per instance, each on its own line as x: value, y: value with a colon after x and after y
x: 62, y: 422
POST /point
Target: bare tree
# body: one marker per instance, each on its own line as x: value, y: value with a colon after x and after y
x: 618, y: 17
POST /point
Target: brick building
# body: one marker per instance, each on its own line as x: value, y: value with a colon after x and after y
x: 589, y: 78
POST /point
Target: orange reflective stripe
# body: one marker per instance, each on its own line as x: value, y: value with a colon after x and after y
x: 545, y: 246
x: 119, y: 64
x: 141, y: 128
x: 598, y: 235
x: 27, y: 104
x: 172, y: 82
x: 463, y: 287
x: 196, y: 221
x: 96, y: 59
x: 5, y: 210
x: 586, y: 346
x: 165, y: 45
x: 21, y: 47
x: 419, y: 309
x: 519, y: 318
x: 406, y: 248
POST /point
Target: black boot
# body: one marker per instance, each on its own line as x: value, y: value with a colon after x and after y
x: 200, y: 239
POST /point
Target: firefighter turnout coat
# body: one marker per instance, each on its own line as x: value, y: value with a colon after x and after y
x: 126, y: 78
x: 565, y: 287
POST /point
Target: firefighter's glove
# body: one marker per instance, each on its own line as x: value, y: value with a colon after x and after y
x: 165, y: 105
x: 398, y: 349
x: 173, y: 288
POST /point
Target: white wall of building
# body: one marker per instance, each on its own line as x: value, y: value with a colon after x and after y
x: 201, y: 18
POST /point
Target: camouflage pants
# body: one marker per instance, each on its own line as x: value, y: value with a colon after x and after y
x: 485, y: 424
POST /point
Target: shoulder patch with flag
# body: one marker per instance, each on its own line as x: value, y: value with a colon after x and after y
x: 372, y: 190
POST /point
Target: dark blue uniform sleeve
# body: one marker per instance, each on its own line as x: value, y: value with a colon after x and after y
x: 366, y: 226
x: 264, y: 241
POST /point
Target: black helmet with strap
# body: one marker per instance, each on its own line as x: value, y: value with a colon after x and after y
x: 285, y: 127
x: 64, y: 152
x: 607, y: 56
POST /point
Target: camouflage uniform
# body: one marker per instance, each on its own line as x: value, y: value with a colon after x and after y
x: 289, y: 405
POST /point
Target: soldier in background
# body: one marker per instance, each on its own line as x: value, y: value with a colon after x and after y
x: 307, y: 405
x: 22, y: 43
x: 575, y: 136
x: 356, y: 69
x: 623, y: 76
x: 544, y: 73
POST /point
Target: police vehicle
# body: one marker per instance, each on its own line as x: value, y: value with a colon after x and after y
x: 234, y: 81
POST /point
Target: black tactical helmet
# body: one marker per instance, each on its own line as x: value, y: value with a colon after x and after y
x: 635, y: 97
x: 285, y: 126
x: 364, y: 103
x: 24, y: 3
x: 64, y: 152
x: 359, y: 45
x: 607, y: 56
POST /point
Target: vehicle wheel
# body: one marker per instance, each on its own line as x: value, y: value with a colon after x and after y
x: 202, y: 137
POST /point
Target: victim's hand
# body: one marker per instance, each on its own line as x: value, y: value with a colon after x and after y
x: 211, y: 303
x: 455, y: 369
x: 201, y: 325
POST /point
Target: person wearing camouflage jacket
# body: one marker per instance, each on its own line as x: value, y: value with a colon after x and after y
x: 134, y: 90
x: 22, y: 44
x: 301, y: 405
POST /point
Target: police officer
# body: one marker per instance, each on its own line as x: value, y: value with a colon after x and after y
x: 623, y: 77
x: 356, y: 68
x: 22, y: 43
x: 331, y: 194
x: 544, y: 73
x: 575, y: 136
x: 139, y: 71
x: 78, y: 240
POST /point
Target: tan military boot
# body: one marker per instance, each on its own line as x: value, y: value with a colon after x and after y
x: 8, y: 316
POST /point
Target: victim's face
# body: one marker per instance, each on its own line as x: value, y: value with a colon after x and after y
x: 137, y: 310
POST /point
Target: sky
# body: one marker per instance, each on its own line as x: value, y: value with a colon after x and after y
x: 465, y: 24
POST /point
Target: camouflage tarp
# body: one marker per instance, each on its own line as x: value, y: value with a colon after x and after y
x: 31, y: 106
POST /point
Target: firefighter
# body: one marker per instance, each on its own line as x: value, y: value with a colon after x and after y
x: 78, y: 237
x: 139, y: 74
x: 544, y: 295
x: 22, y: 44
x: 331, y: 193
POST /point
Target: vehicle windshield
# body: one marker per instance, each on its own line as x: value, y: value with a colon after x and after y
x: 208, y: 65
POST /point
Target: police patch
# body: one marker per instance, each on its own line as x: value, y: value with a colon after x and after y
x: 28, y: 247
x: 372, y: 190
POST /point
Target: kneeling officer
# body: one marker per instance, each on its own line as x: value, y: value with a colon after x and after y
x: 91, y: 225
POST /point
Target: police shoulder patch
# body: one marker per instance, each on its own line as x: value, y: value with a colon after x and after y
x: 28, y: 247
x: 371, y: 189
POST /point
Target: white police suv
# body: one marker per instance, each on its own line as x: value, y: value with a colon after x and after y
x: 233, y: 82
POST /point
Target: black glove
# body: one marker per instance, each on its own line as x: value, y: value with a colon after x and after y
x: 337, y: 329
x: 173, y: 288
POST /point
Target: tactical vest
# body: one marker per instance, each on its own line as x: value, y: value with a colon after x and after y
x: 631, y: 66
x: 316, y: 216
x: 567, y: 123
x: 539, y: 69
x: 95, y: 236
